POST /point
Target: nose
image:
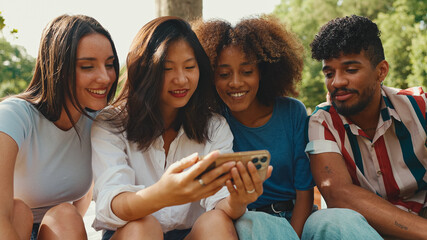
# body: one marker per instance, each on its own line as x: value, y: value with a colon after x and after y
x: 180, y: 77
x: 339, y: 80
x: 103, y: 76
x: 235, y: 82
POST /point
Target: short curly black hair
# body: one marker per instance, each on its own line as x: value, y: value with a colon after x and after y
x: 277, y: 50
x: 348, y: 35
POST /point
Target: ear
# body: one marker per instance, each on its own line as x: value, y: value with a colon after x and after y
x: 382, y: 70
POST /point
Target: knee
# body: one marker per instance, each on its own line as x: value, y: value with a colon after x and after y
x: 248, y: 220
x: 147, y: 222
x: 334, y: 217
x: 260, y: 225
x: 64, y: 213
x: 214, y: 217
x: 63, y: 219
x: 224, y: 227
x: 336, y: 223
x: 146, y: 226
x: 22, y: 214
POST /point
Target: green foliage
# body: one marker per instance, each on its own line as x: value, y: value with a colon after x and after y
x: 16, y: 68
x: 402, y: 38
x: 2, y: 25
x: 402, y: 23
x: 418, y: 58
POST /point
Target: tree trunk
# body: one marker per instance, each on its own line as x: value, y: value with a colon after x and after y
x: 186, y: 9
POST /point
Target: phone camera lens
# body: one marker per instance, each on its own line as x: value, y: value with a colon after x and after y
x: 258, y: 166
x: 263, y: 159
x: 255, y: 160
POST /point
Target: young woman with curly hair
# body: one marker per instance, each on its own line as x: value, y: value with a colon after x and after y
x: 257, y: 64
x: 146, y: 175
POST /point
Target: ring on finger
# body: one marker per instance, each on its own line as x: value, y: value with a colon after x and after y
x: 201, y: 182
x: 250, y: 191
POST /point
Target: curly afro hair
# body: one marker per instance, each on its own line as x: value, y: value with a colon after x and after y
x: 348, y: 35
x: 277, y: 51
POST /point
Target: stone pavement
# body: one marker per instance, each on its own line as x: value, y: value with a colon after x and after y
x: 88, y: 219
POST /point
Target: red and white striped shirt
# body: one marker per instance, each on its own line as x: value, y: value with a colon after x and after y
x: 393, y: 164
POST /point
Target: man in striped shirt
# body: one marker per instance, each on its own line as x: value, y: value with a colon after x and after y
x: 367, y: 144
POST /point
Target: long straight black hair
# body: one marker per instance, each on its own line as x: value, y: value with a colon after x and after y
x: 140, y: 96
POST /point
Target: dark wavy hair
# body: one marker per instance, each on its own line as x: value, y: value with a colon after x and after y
x: 277, y: 51
x: 54, y: 78
x: 140, y: 96
x: 347, y: 35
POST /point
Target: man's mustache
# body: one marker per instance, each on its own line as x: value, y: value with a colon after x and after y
x: 333, y: 94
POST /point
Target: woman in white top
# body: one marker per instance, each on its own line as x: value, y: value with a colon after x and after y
x: 146, y: 177
x: 45, y: 160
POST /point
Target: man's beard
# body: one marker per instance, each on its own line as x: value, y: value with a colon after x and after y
x: 364, y: 99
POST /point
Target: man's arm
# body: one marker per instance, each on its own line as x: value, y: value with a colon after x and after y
x: 334, y: 182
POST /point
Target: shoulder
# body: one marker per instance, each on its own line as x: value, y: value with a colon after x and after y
x: 218, y: 125
x: 107, y: 113
x: 18, y: 103
x: 414, y: 97
x: 290, y: 102
x: 395, y: 93
x: 109, y: 118
x: 322, y: 112
x: 217, y: 120
x: 290, y: 109
x: 413, y: 91
x: 17, y: 107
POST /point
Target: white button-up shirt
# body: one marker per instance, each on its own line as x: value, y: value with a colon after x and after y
x: 119, y: 166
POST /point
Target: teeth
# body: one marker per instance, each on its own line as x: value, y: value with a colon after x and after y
x: 100, y: 92
x: 239, y: 94
x: 179, y: 91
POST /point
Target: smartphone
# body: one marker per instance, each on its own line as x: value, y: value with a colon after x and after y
x: 260, y: 158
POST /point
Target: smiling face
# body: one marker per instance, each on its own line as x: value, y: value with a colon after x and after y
x: 237, y: 80
x: 352, y: 82
x: 181, y: 76
x: 95, y: 72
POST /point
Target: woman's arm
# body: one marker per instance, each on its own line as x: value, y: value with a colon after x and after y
x: 175, y: 187
x: 303, y: 207
x: 9, y: 151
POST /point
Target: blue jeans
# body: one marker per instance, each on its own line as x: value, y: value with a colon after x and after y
x: 261, y: 226
x: 338, y: 223
x: 35, y: 231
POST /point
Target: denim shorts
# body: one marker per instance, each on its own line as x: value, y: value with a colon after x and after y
x: 171, y: 235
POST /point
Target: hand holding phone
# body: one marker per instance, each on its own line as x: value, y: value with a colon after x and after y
x: 260, y: 158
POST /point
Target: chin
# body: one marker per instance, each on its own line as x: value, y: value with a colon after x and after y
x: 95, y: 108
x: 238, y: 108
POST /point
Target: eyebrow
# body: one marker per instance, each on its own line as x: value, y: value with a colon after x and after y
x: 344, y: 63
x: 92, y: 58
x: 242, y: 64
x: 188, y: 60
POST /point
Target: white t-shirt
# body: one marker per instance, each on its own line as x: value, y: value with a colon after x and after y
x: 52, y: 166
x: 119, y: 166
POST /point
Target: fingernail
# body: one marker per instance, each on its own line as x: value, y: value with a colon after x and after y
x: 231, y: 164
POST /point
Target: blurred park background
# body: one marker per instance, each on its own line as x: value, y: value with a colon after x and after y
x: 403, y: 24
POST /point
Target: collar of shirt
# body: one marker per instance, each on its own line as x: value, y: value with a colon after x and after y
x: 387, y: 112
x: 158, y: 143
